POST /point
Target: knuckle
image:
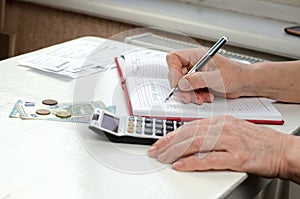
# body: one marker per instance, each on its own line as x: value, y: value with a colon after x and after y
x: 193, y: 163
x: 240, y: 157
x: 229, y: 123
x: 198, y: 143
x: 165, y: 141
x: 170, y: 57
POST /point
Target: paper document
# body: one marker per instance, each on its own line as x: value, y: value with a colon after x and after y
x: 81, y: 57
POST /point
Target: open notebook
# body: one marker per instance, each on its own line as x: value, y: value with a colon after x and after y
x: 145, y: 84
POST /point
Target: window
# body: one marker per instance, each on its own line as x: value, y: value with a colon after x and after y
x: 282, y: 10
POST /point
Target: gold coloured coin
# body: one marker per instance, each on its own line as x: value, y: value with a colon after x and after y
x: 63, y: 114
x: 49, y: 102
x: 42, y: 112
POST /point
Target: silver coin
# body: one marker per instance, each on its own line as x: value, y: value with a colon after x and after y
x: 63, y: 114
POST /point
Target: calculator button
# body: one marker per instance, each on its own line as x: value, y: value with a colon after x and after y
x: 169, y: 122
x: 139, y: 122
x: 139, y: 130
x: 139, y: 119
x: 178, y: 124
x: 131, y: 119
x: 159, y: 132
x: 159, y: 121
x: 169, y: 128
x: 130, y: 124
x: 159, y: 126
x: 167, y: 132
x: 130, y: 130
x: 148, y: 125
x: 148, y: 131
x: 139, y: 125
x: 148, y: 120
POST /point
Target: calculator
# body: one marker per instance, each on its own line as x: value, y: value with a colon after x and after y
x: 131, y: 129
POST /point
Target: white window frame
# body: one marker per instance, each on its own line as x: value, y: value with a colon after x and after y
x: 286, y: 10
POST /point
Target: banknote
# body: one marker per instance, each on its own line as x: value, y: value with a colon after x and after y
x: 65, y: 111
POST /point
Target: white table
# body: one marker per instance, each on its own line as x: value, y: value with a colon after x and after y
x: 47, y: 159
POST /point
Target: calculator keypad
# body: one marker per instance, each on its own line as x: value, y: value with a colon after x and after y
x: 151, y: 126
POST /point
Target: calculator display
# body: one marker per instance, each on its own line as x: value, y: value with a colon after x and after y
x: 110, y: 123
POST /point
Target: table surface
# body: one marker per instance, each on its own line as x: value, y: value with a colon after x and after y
x: 51, y: 159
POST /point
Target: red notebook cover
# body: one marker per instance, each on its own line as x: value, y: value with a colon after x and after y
x: 130, y: 110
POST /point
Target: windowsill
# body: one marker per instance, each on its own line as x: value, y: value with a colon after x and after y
x: 246, y: 31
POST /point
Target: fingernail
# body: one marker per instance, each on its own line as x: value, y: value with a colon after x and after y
x: 171, y: 78
x: 209, y: 98
x: 183, y: 84
x: 178, y: 165
x: 152, y: 150
x: 199, y: 101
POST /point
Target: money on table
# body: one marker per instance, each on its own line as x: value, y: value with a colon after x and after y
x: 61, y: 111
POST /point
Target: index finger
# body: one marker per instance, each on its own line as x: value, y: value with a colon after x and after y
x: 179, y: 62
x: 182, y: 133
x: 188, y: 130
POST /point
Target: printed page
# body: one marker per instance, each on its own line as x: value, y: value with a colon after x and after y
x: 81, y: 57
x: 74, y: 59
x: 148, y: 94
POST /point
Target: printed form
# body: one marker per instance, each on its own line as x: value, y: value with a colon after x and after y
x: 81, y: 57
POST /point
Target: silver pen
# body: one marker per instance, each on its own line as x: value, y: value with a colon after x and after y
x: 206, y: 57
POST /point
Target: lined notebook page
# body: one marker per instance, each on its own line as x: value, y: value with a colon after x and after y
x: 148, y: 94
x: 148, y: 86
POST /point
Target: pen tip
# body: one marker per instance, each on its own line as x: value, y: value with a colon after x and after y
x: 166, y: 99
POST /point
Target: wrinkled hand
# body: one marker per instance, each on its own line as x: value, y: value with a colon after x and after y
x: 224, y: 77
x: 223, y: 143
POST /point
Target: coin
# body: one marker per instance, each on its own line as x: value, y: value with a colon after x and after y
x: 49, y: 102
x: 63, y: 114
x: 42, y: 111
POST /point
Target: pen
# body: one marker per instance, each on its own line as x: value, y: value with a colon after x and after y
x: 206, y: 57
